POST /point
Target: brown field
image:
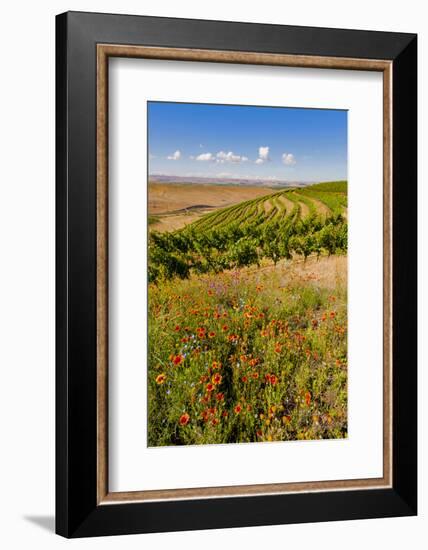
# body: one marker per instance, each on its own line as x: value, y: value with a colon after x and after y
x: 177, y: 205
x: 324, y: 272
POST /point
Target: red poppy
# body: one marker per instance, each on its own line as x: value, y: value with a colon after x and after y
x: 177, y: 359
x: 244, y: 379
x: 184, y: 419
x: 160, y: 378
x: 273, y: 379
x: 216, y: 379
x: 210, y: 387
x: 237, y: 409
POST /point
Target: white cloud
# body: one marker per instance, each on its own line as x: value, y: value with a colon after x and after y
x: 175, y: 156
x: 230, y: 157
x: 205, y: 157
x: 221, y: 157
x: 288, y: 159
x: 264, y: 153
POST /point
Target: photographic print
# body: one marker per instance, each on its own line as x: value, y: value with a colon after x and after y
x: 247, y: 272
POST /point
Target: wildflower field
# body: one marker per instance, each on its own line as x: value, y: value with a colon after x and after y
x: 256, y: 350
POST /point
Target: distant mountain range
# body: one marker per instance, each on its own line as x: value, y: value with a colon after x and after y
x: 227, y: 181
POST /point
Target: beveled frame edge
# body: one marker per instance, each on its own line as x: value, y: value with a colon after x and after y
x: 104, y: 52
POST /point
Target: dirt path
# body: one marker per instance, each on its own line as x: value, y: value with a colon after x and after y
x: 304, y: 210
x: 267, y: 206
x: 289, y: 205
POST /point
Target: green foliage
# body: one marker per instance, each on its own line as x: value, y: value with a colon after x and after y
x: 331, y: 186
x: 247, y: 232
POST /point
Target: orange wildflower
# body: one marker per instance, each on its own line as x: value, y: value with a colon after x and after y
x: 237, y: 409
x: 184, y: 419
x: 273, y: 379
x: 216, y: 379
x: 160, y: 378
x: 177, y: 359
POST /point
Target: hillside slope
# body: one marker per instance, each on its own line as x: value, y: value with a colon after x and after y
x: 321, y: 200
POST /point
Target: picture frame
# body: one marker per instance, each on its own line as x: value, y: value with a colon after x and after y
x: 84, y: 44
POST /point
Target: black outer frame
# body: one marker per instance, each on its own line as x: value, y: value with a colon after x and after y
x: 77, y: 513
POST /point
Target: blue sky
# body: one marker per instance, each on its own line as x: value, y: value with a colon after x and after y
x: 190, y: 139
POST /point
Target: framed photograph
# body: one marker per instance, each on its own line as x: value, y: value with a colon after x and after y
x: 236, y: 274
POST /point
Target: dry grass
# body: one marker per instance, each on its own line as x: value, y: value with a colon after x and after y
x: 177, y: 205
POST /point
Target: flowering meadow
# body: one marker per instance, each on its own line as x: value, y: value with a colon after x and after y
x: 247, y: 355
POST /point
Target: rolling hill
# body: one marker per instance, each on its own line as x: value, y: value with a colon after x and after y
x: 322, y: 200
x: 279, y: 225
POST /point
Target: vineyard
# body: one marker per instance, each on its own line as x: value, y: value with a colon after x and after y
x: 298, y: 221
